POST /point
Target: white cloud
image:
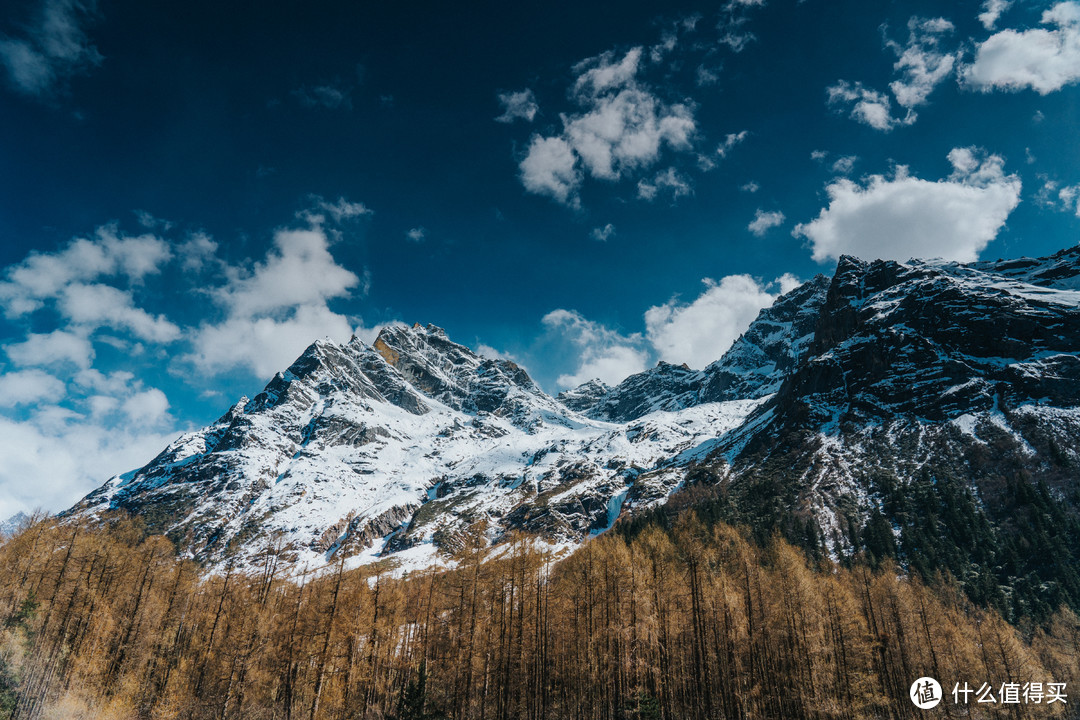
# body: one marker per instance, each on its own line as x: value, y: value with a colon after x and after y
x: 1069, y: 197
x: 197, y: 251
x: 620, y: 129
x: 869, y: 107
x: 342, y: 209
x: 1053, y: 195
x: 265, y: 345
x: 29, y: 387
x: 278, y: 307
x: 44, y: 276
x: 921, y: 64
x: 603, y: 234
x: 700, y: 332
x: 764, y: 221
x: 750, y: 187
x: 97, y: 305
x: 907, y: 217
x: 416, y: 235
x: 992, y: 10
x: 787, y: 282
x: 601, y: 352
x: 329, y: 95
x: 704, y: 77
x: 597, y: 75
x: 520, y: 105
x: 731, y: 141
x: 667, y: 182
x: 147, y: 408
x: 623, y: 132
x: 1044, y: 60
x: 550, y: 168
x: 732, y: 24
x: 58, y: 456
x: 298, y: 270
x: 52, y: 349
x: 54, y: 48
x: 844, y: 165
x: 818, y: 155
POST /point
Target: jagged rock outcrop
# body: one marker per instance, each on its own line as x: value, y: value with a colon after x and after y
x: 958, y: 384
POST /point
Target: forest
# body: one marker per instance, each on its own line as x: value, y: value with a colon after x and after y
x: 688, y: 619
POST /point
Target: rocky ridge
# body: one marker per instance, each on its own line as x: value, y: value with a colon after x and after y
x: 846, y: 391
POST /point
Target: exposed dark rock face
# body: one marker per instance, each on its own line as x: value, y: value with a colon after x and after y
x: 853, y: 415
x: 754, y: 366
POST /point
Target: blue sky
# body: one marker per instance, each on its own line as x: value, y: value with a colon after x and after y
x: 190, y: 195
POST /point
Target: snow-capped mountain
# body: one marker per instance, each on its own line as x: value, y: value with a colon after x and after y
x: 401, y: 445
x: 844, y: 390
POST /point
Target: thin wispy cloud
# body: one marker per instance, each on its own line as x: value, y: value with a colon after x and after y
x: 520, y: 105
x: 53, y: 47
x: 604, y: 233
x: 331, y: 96
x: 921, y: 66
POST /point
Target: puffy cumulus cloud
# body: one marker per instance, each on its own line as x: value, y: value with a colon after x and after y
x: 905, y: 216
x: 97, y: 305
x: 700, y: 332
x: 1042, y: 59
x: 750, y: 187
x: 43, y: 276
x: 787, y: 282
x: 620, y: 128
x: 26, y: 387
x: 56, y: 348
x: 520, y: 105
x: 991, y: 11
x: 147, y: 407
x: 550, y: 168
x: 276, y: 308
x: 70, y: 436
x: 298, y: 270
x: 764, y: 221
x: 600, y: 351
x: 667, y: 183
x: 67, y: 455
x: 53, y: 48
x: 625, y: 131
x: 416, y: 235
x: 1069, y: 197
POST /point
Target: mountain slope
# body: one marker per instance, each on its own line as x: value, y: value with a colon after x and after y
x: 925, y: 410
x: 398, y: 447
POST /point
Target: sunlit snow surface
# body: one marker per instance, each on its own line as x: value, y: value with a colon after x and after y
x: 388, y: 453
x: 315, y: 465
